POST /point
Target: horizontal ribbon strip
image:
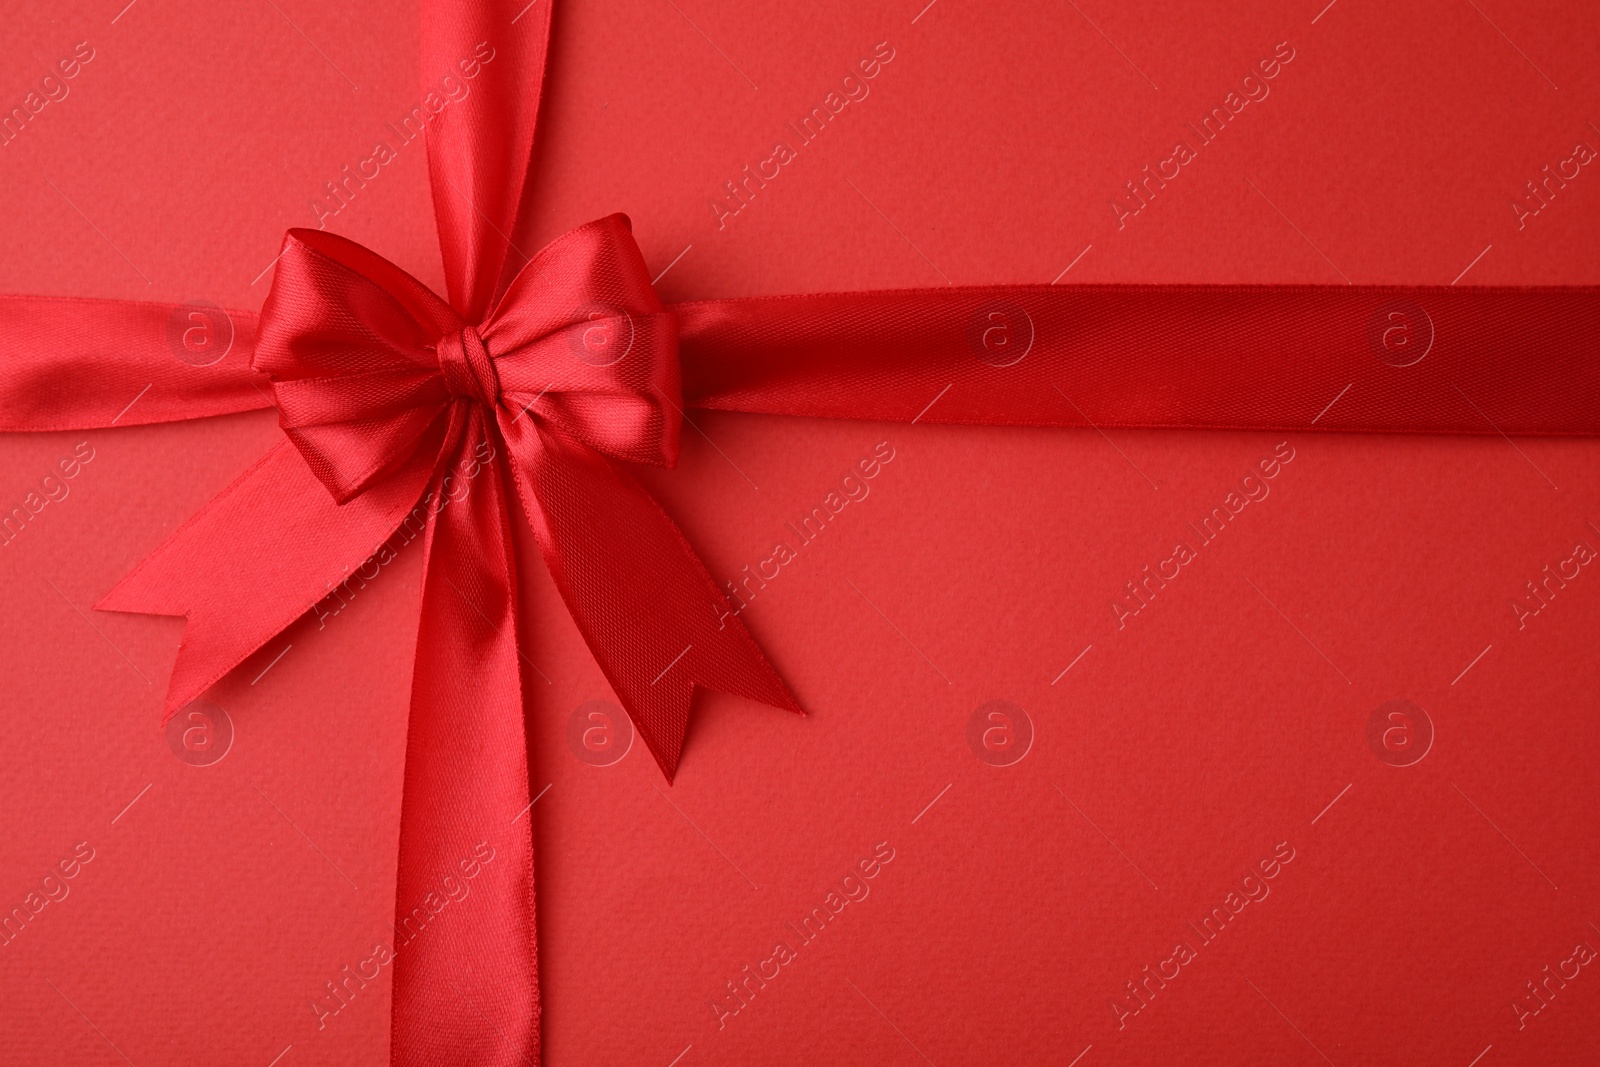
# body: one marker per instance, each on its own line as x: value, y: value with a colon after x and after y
x: 1252, y: 357
x: 1514, y: 360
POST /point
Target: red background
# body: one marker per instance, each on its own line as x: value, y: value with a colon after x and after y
x: 1219, y: 723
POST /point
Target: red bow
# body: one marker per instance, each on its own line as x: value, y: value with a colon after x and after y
x: 376, y: 378
x: 364, y: 359
x: 403, y: 412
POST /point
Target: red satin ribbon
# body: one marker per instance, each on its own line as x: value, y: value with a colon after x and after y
x: 531, y: 383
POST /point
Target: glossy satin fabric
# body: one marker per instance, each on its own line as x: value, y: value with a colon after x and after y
x: 1512, y: 359
x: 1419, y: 359
x: 521, y: 397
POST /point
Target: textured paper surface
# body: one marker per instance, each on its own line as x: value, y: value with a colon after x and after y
x: 1225, y: 725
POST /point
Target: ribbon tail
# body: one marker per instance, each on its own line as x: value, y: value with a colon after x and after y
x: 71, y: 364
x: 255, y: 559
x: 652, y: 616
x: 466, y: 964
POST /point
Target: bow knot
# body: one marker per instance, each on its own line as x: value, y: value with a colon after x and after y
x: 364, y: 359
x: 468, y: 371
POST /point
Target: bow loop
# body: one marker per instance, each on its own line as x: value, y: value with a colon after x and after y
x: 348, y: 340
x: 583, y: 344
x: 363, y: 358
